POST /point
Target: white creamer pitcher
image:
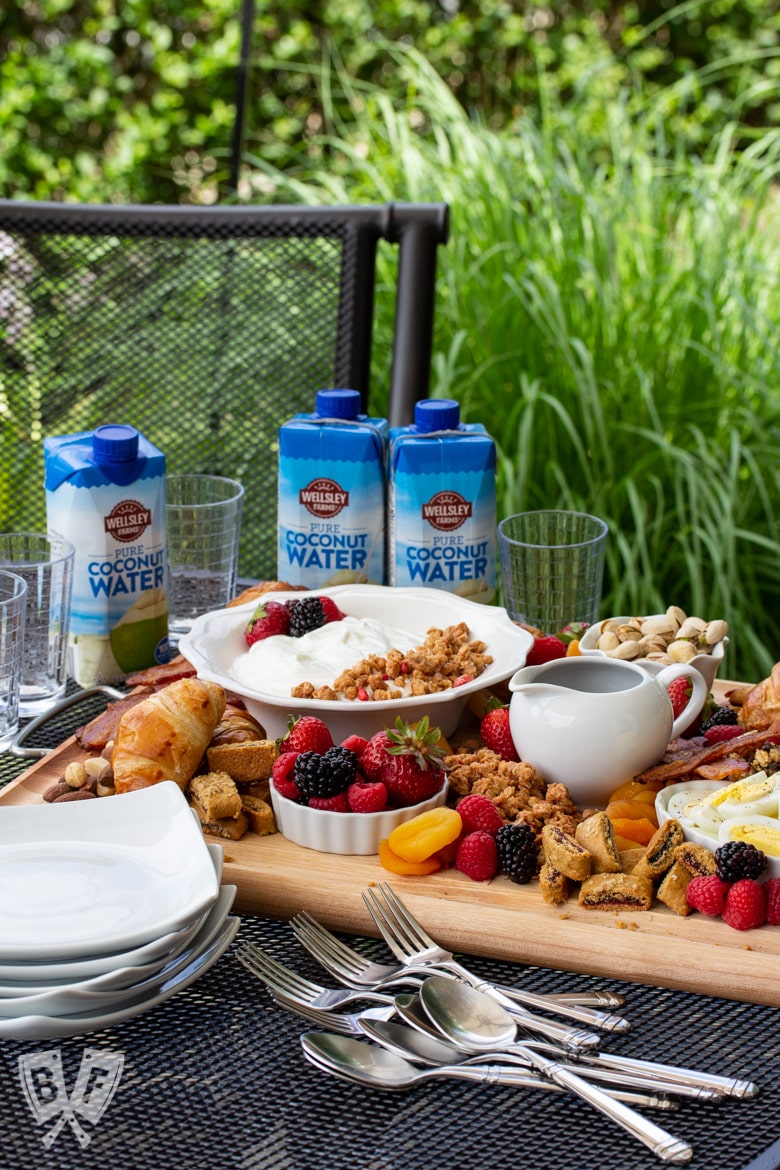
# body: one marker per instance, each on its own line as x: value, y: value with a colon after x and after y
x: 591, y: 723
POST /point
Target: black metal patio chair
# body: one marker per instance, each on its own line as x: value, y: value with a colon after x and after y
x: 205, y: 328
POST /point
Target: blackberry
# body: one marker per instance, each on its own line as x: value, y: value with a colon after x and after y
x: 305, y: 616
x: 738, y: 859
x: 324, y: 775
x: 726, y: 716
x: 517, y: 852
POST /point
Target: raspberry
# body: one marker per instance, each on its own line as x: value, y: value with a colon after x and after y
x: 337, y: 803
x: 366, y: 797
x: 772, y: 899
x: 739, y: 859
x: 719, y: 717
x: 356, y: 744
x: 707, y: 894
x: 477, y: 856
x: 722, y: 731
x: 745, y: 908
x: 517, y: 852
x: 495, y: 733
x: 479, y: 812
x: 282, y: 775
x: 679, y: 693
x: 545, y: 650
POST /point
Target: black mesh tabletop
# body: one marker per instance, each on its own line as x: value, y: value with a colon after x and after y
x: 215, y: 1078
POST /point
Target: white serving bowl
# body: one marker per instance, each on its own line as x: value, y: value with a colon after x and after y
x: 340, y: 832
x: 702, y: 788
x: 217, y: 639
x: 706, y: 664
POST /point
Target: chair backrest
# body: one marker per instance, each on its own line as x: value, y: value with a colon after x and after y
x: 205, y: 328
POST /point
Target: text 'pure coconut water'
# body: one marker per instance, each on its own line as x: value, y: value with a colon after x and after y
x: 332, y: 494
x: 105, y: 493
x: 442, y: 503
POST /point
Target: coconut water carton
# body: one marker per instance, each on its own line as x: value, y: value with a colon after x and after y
x: 442, y: 503
x: 105, y: 493
x: 331, y: 505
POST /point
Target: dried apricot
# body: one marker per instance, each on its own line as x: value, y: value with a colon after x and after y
x: 397, y: 864
x: 424, y: 834
x: 632, y: 810
x: 624, y: 843
x: 636, y: 790
x: 638, y: 831
x: 573, y: 649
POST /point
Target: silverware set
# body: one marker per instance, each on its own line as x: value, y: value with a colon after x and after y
x: 448, y: 1022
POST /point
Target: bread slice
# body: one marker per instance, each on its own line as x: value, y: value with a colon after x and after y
x: 260, y: 815
x: 659, y: 854
x: 616, y: 891
x: 562, y: 853
x: 245, y: 762
x: 597, y: 835
x: 216, y: 794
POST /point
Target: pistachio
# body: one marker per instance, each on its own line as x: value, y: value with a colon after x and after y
x: 692, y: 627
x: 657, y: 625
x: 659, y: 656
x: 629, y: 633
x: 676, y: 616
x: 611, y: 626
x: 715, y: 632
x: 608, y: 641
x: 75, y: 774
x: 681, y: 650
x: 626, y: 650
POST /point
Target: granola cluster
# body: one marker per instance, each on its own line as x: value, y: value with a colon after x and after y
x: 519, y: 794
x: 445, y: 659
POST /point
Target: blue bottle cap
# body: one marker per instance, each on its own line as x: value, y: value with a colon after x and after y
x: 114, y: 443
x: 437, y: 414
x: 338, y: 403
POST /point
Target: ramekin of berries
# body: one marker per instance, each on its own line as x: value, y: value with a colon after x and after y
x: 347, y: 797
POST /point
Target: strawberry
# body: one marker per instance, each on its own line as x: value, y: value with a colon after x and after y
x: 477, y: 856
x: 306, y: 734
x: 282, y: 776
x: 407, y: 760
x: 545, y: 649
x: 679, y: 693
x: 745, y: 908
x: 772, y: 899
x: 268, y: 619
x: 367, y: 796
x: 707, y: 894
x: 723, y: 731
x: 573, y: 632
x: 332, y: 611
x: 479, y: 812
x: 495, y: 733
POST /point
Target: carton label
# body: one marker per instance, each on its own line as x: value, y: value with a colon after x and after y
x: 127, y: 520
x: 446, y: 511
x: 324, y: 498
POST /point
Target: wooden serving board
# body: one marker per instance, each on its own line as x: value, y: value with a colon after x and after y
x: 497, y: 919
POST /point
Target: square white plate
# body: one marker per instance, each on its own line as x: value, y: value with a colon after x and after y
x: 90, y: 877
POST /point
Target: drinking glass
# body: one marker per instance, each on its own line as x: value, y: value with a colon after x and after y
x: 13, y: 593
x: 203, y: 521
x: 46, y: 564
x: 552, y: 565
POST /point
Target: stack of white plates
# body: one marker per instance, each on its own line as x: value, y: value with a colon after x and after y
x: 107, y: 907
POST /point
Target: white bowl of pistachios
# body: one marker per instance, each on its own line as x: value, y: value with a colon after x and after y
x: 661, y: 639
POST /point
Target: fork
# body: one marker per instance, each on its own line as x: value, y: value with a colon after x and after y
x: 410, y: 944
x: 282, y: 980
x: 345, y: 1023
x: 355, y: 970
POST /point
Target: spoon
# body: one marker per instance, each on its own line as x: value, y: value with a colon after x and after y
x: 423, y: 1049
x: 467, y: 1016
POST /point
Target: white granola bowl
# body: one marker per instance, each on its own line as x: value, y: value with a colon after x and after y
x: 340, y: 832
x: 217, y: 638
x: 706, y: 664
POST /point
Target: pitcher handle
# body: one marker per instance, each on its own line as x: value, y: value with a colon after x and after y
x: 696, y: 700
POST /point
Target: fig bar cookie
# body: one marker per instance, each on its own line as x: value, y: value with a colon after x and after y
x: 616, y: 891
x: 597, y: 835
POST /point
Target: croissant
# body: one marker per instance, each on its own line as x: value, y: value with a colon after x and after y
x: 761, y: 705
x: 164, y: 737
x: 236, y: 726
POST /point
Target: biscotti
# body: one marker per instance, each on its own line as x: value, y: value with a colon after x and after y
x: 616, y: 891
x: 216, y: 795
x: 659, y: 854
x: 597, y: 835
x: 232, y: 828
x: 260, y: 815
x: 564, y: 854
x: 245, y: 762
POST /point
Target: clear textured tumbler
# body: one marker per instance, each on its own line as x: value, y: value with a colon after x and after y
x: 552, y: 565
x: 13, y: 592
x: 203, y: 526
x: 46, y: 564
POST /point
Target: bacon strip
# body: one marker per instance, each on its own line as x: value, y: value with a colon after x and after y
x: 738, y: 746
x: 723, y: 769
x: 94, y: 735
x: 160, y: 676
